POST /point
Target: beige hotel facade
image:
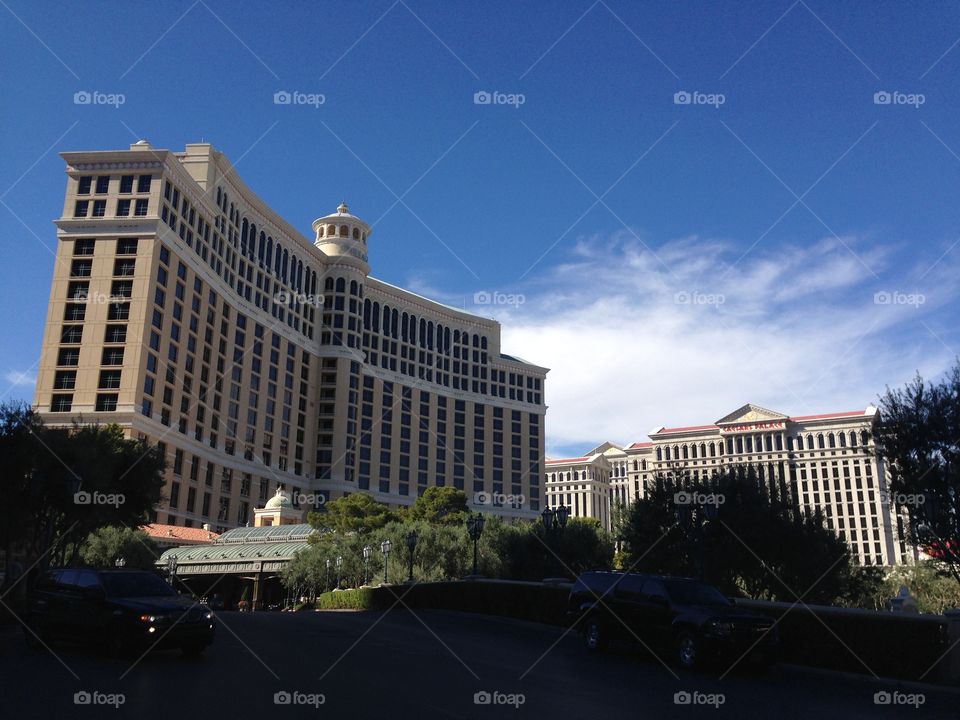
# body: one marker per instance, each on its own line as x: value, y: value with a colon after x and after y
x: 187, y: 311
x: 827, y: 462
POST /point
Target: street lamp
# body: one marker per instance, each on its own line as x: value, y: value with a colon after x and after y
x: 120, y: 562
x: 172, y: 570
x: 385, y: 549
x: 339, y: 565
x: 327, y: 563
x: 411, y: 544
x: 475, y: 530
x: 366, y: 560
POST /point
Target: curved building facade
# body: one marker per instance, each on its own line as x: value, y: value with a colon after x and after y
x: 187, y: 311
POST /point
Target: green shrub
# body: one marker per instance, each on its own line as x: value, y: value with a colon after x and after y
x: 357, y: 599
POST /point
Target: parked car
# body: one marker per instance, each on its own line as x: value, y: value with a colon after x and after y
x: 121, y: 610
x: 689, y: 620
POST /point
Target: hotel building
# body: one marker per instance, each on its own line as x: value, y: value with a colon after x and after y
x: 827, y: 462
x: 187, y: 311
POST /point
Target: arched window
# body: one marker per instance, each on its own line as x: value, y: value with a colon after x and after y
x: 394, y: 322
x: 376, y: 317
x: 686, y: 453
x: 284, y: 265
x: 842, y: 437
x: 423, y: 333
x: 820, y: 443
x: 244, y: 230
x: 831, y: 440
x: 456, y: 336
x: 268, y: 260
x: 341, y: 285
x: 261, y: 248
x: 277, y: 260
x: 300, y: 276
x: 404, y: 327
x: 356, y: 234
x: 321, y: 231
x: 666, y: 453
x: 864, y: 438
x: 366, y: 313
x: 483, y: 343
x: 344, y: 232
x: 853, y: 439
x: 446, y: 341
x: 328, y: 284
x: 353, y: 287
x: 659, y: 455
x: 219, y: 195
x: 430, y: 335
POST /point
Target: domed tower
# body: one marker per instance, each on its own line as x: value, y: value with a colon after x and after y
x: 342, y: 238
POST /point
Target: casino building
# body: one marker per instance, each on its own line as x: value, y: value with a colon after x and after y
x: 826, y: 461
x: 187, y: 311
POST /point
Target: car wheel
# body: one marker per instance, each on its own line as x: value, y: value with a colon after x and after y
x: 594, y: 636
x: 688, y: 650
x: 192, y: 650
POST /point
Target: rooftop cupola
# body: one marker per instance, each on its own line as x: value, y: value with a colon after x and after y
x: 341, y: 234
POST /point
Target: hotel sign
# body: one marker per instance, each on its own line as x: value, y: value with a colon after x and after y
x: 754, y: 427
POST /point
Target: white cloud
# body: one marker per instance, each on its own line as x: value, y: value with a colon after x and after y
x: 796, y: 330
x: 18, y: 378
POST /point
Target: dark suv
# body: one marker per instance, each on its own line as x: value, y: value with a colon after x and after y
x: 121, y: 610
x: 690, y: 620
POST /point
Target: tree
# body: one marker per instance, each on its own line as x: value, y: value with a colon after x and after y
x: 61, y: 484
x: 105, y: 546
x: 759, y: 544
x: 440, y: 506
x: 357, y: 512
x: 919, y: 437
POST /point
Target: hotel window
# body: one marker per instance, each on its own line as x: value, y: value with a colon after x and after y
x: 127, y: 246
x: 71, y: 334
x: 83, y: 186
x: 103, y: 184
x: 121, y: 289
x: 99, y: 208
x: 118, y: 311
x: 124, y: 267
x: 80, y: 208
x: 140, y: 209
x: 83, y: 247
x: 123, y: 208
x: 143, y: 183
x: 68, y: 357
x: 112, y: 356
x: 126, y: 183
x: 116, y: 334
x: 61, y: 403
x: 65, y: 380
x: 106, y: 402
x: 81, y: 268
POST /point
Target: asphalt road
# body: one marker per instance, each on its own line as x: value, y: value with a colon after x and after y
x: 430, y: 664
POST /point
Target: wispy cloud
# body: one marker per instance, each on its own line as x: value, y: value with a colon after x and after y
x: 17, y: 378
x: 801, y: 329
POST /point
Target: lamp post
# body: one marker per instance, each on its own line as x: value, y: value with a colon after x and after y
x: 411, y: 544
x: 339, y: 565
x: 366, y: 563
x: 172, y: 570
x: 385, y: 549
x: 475, y: 530
x: 120, y: 562
x: 327, y: 563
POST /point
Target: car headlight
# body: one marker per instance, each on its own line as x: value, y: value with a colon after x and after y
x: 209, y: 615
x: 155, y: 619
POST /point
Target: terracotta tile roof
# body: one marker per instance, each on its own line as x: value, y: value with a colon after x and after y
x: 662, y: 431
x: 567, y: 460
x: 640, y: 445
x: 826, y: 416
x: 175, y: 532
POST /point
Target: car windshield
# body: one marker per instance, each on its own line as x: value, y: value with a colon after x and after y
x: 688, y: 592
x: 126, y: 585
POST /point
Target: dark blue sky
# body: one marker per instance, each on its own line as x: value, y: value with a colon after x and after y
x: 794, y: 196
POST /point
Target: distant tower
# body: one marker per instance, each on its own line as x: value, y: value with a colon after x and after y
x: 342, y: 236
